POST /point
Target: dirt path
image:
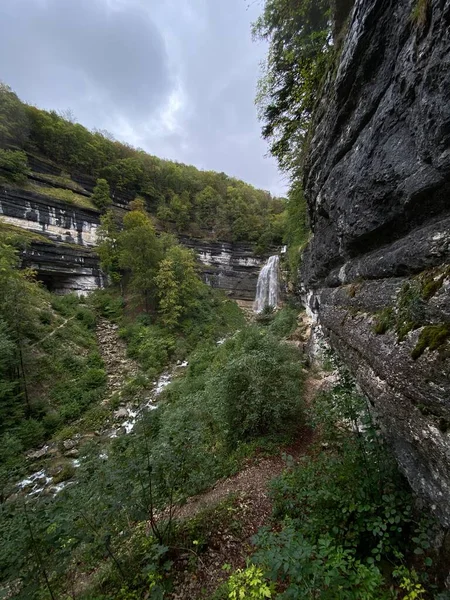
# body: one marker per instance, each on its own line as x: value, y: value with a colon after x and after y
x: 119, y: 367
x: 252, y: 504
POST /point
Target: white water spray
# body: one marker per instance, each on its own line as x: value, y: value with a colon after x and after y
x: 267, y: 288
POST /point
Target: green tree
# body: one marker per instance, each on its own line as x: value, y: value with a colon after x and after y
x: 19, y: 295
x: 101, y: 195
x: 140, y: 253
x: 108, y: 246
x: 14, y: 165
x: 180, y: 206
x: 178, y: 285
x: 206, y: 203
x: 125, y: 175
x: 300, y: 44
x: 14, y: 124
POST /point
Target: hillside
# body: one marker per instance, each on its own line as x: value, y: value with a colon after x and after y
x: 159, y: 442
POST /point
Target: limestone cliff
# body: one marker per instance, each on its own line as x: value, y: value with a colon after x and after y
x: 69, y: 262
x: 377, y: 181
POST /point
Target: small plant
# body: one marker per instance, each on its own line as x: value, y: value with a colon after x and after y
x: 419, y: 13
x: 409, y: 583
x: 249, y: 584
x: 384, y: 321
x: 431, y: 337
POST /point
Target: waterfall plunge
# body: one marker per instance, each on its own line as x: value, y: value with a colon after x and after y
x: 267, y: 288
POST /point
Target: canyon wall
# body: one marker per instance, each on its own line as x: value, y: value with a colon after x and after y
x: 376, y: 273
x: 69, y: 263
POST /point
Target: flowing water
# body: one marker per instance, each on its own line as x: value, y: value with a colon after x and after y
x: 267, y: 288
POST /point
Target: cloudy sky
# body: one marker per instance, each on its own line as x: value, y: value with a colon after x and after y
x: 175, y: 77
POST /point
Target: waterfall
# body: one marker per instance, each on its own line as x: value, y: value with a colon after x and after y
x: 267, y: 287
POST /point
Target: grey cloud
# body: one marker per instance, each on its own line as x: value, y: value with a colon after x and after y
x: 176, y: 77
x: 82, y: 51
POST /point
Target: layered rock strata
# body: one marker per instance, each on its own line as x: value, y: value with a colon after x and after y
x: 377, y: 181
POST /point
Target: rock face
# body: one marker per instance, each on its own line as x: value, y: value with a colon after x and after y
x: 233, y: 268
x: 59, y: 221
x: 69, y: 262
x: 377, y: 181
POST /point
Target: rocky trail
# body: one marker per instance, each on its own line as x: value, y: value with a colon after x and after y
x: 246, y: 496
x: 119, y: 367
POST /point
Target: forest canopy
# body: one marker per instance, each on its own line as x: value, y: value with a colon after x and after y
x: 184, y: 198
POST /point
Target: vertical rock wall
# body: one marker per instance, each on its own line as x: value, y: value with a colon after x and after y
x: 377, y: 182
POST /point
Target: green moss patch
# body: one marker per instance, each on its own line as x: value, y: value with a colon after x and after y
x: 63, y: 195
x: 20, y: 237
x: 385, y: 320
x: 431, y: 337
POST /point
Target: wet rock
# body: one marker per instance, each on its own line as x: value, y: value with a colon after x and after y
x: 74, y: 453
x: 69, y: 444
x: 121, y: 413
x: 377, y: 182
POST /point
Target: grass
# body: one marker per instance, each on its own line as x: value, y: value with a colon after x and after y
x: 419, y: 13
x: 64, y: 181
x: 62, y: 195
x: 21, y: 236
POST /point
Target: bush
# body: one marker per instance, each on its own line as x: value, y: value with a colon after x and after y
x: 320, y: 570
x: 86, y: 316
x: 259, y: 387
x: 107, y: 304
x: 93, y: 378
x: 14, y: 165
x: 31, y: 433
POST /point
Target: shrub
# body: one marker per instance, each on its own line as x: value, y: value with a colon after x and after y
x: 259, y: 387
x: 86, y: 316
x: 320, y: 570
x: 14, y: 165
x: 101, y: 195
x: 93, y: 378
x: 107, y: 304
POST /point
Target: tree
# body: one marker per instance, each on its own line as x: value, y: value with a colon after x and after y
x: 101, y: 197
x: 14, y: 125
x: 177, y: 284
x: 140, y: 252
x: 206, y: 203
x: 18, y: 298
x: 108, y: 246
x: 300, y: 44
x: 180, y: 206
x: 14, y: 165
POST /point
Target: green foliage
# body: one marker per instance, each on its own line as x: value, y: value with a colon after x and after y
x: 384, y: 321
x: 108, y: 246
x: 107, y: 303
x: 249, y: 584
x: 316, y: 570
x: 14, y: 165
x: 431, y: 337
x: 14, y: 125
x: 420, y: 11
x: 300, y: 49
x: 297, y: 230
x: 200, y: 203
x: 343, y: 514
x: 101, y: 195
x: 151, y: 345
x: 284, y: 322
x: 177, y: 284
x: 140, y: 252
x: 259, y: 387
